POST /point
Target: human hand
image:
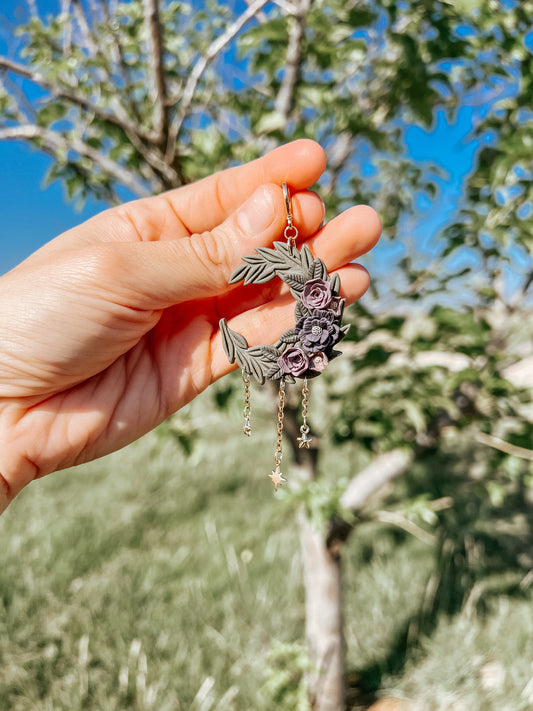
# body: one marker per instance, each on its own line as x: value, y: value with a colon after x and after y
x: 113, y: 326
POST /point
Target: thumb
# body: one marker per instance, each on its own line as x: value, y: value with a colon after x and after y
x: 159, y: 274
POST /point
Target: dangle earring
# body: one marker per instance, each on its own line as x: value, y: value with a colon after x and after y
x: 304, y: 350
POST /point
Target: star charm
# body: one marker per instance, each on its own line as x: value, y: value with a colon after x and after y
x: 304, y: 440
x: 277, y: 478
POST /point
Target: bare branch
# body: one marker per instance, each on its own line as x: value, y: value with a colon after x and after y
x: 200, y: 66
x: 54, y: 142
x: 368, y: 482
x: 24, y: 109
x: 158, y: 89
x: 67, y: 37
x: 285, y: 98
x: 76, y: 98
x: 85, y: 30
x: 118, y: 57
x: 396, y: 519
x: 506, y: 447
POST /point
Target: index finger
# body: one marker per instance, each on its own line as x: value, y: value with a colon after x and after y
x: 299, y: 164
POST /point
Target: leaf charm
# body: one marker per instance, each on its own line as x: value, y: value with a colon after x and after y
x: 304, y: 350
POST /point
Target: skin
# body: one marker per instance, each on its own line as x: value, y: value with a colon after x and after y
x: 113, y: 325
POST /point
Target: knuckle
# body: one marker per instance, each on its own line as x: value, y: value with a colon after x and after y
x: 211, y: 251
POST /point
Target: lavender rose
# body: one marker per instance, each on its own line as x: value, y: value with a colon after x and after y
x: 318, y: 331
x: 316, y: 294
x: 293, y: 361
x: 318, y: 361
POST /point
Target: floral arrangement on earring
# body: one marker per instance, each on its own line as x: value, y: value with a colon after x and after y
x: 304, y: 350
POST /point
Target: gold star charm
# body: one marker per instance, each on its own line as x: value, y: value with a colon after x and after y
x: 304, y: 440
x: 277, y: 478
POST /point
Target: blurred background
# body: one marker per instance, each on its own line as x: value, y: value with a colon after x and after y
x: 398, y: 567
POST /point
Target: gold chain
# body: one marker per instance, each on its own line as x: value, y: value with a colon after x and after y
x: 304, y: 429
x: 247, y: 428
x: 279, y: 440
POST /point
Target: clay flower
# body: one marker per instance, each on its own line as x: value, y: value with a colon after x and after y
x: 318, y: 361
x: 293, y: 361
x: 336, y: 305
x: 318, y: 331
x: 316, y: 294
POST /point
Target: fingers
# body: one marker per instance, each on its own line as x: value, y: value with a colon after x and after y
x: 156, y: 275
x: 342, y: 240
x: 351, y: 234
x: 265, y: 324
x: 299, y: 164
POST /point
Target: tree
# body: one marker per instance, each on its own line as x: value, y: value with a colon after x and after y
x: 131, y: 98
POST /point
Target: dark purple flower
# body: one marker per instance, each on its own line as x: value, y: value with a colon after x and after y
x: 336, y: 305
x: 318, y: 331
x: 318, y: 361
x: 293, y: 361
x: 316, y: 294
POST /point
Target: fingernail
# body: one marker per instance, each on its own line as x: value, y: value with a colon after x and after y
x: 257, y: 213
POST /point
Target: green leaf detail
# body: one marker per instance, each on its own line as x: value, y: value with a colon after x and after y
x: 307, y: 258
x: 294, y: 280
x: 319, y: 270
x: 289, y: 336
x: 300, y: 311
x: 227, y: 342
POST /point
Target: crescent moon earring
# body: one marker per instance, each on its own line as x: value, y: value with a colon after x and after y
x: 301, y: 352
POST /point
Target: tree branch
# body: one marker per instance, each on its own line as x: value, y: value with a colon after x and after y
x: 368, y: 482
x: 157, y: 83
x: 503, y: 446
x: 54, y: 142
x: 85, y: 30
x: 76, y: 98
x: 199, y: 68
x: 396, y: 519
x: 285, y: 98
x: 23, y: 108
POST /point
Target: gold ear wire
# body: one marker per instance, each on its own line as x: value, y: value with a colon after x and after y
x: 291, y: 232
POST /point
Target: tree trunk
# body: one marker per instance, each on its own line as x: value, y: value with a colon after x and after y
x: 323, y: 619
x: 323, y: 590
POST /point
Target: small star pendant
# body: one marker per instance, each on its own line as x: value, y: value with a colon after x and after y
x: 304, y: 440
x: 277, y: 478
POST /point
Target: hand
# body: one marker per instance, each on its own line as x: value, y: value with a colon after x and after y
x: 113, y: 326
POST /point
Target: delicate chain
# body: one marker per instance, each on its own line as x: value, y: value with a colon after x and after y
x: 304, y: 429
x: 247, y: 428
x: 279, y: 440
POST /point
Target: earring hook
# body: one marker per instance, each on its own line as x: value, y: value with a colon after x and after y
x: 291, y: 232
x: 287, y: 198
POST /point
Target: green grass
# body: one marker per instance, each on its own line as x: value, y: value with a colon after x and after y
x: 147, y: 580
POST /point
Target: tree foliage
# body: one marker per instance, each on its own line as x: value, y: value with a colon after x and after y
x: 131, y: 98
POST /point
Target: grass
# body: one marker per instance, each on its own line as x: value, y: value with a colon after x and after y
x: 148, y: 580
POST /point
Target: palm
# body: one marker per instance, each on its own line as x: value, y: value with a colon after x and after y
x: 121, y: 328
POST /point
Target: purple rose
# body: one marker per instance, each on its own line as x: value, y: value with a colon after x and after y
x: 318, y: 361
x: 293, y: 361
x: 336, y: 305
x: 318, y: 331
x: 316, y: 294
